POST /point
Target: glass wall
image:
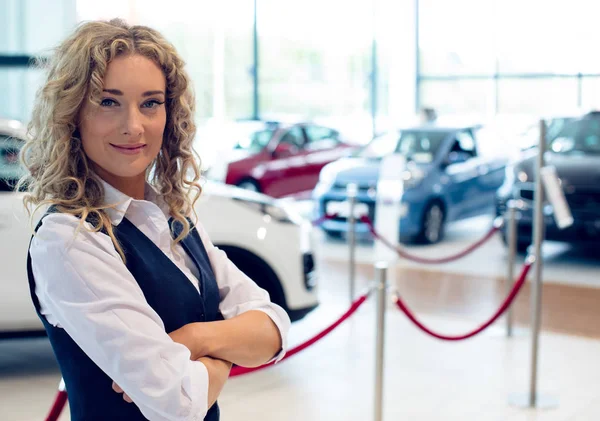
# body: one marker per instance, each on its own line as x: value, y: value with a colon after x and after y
x: 215, y: 43
x: 28, y: 29
x: 314, y: 57
x: 507, y: 56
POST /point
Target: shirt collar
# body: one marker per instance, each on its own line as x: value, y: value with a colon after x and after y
x: 118, y: 202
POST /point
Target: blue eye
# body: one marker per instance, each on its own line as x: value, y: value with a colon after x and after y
x: 153, y: 103
x: 107, y: 102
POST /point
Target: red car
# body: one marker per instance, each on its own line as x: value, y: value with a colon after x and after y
x: 280, y: 159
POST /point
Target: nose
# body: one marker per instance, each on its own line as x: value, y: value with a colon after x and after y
x: 133, y: 126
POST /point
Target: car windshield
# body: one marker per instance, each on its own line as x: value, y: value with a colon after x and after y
x: 255, y: 141
x: 579, y: 137
x: 417, y: 145
x: 554, y: 126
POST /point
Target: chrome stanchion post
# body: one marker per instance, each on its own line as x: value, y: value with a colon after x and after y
x: 381, y: 285
x: 351, y: 192
x: 536, y: 292
x: 533, y: 399
x: 511, y: 239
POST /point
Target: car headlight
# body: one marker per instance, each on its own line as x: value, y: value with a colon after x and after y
x: 275, y: 210
x: 522, y: 176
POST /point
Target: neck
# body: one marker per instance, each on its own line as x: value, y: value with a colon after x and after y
x: 134, y: 187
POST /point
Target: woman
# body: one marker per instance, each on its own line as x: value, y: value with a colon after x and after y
x: 145, y: 315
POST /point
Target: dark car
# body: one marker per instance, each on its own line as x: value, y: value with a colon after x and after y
x: 280, y: 159
x: 451, y: 174
x: 12, y: 135
x: 574, y: 151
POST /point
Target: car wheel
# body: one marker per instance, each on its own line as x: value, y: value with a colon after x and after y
x: 432, y: 224
x: 259, y: 271
x: 249, y: 184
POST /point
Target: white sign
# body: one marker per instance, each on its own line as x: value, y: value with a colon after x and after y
x: 343, y: 209
x: 556, y: 197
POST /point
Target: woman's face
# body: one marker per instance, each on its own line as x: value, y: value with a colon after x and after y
x: 124, y: 133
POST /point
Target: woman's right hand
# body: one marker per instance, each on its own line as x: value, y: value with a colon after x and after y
x: 218, y: 373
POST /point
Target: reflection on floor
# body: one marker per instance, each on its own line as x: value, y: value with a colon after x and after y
x: 425, y: 379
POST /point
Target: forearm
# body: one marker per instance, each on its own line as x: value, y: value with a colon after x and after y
x: 249, y: 340
x: 218, y: 373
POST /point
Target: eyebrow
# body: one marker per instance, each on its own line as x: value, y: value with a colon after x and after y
x: 147, y: 93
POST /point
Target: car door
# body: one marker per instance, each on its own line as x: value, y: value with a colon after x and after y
x: 284, y: 173
x: 461, y: 171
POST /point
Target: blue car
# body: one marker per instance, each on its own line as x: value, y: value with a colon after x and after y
x: 451, y: 174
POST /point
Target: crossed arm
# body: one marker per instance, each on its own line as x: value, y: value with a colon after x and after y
x: 249, y: 340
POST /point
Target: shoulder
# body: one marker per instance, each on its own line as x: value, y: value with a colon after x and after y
x: 61, y: 232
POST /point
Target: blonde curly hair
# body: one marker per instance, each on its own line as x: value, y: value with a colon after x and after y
x: 59, y: 172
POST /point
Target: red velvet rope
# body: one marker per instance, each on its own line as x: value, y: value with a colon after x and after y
x: 237, y: 371
x: 505, y: 305
x: 431, y: 261
x: 59, y: 403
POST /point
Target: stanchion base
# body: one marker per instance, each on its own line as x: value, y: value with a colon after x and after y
x: 521, y: 400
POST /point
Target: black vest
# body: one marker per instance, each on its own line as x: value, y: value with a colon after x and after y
x: 167, y: 290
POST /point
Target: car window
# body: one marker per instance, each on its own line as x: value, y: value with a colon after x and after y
x: 255, y: 141
x: 293, y: 137
x: 420, y: 146
x: 464, y: 144
x: 319, y: 138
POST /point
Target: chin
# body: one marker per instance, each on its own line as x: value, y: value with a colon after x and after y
x: 127, y: 172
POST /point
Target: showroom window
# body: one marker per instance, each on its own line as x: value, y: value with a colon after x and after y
x: 486, y: 57
x: 28, y: 30
x: 314, y: 57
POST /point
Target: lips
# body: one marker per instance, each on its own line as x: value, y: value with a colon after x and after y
x: 129, y: 149
x: 138, y: 146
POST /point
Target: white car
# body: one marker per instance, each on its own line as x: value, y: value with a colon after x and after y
x: 268, y: 241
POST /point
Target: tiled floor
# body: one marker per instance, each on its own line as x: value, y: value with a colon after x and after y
x: 425, y: 379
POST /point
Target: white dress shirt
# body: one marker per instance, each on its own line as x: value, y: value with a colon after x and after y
x: 84, y: 287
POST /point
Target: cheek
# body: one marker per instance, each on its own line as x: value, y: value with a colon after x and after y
x: 94, y: 130
x: 155, y: 132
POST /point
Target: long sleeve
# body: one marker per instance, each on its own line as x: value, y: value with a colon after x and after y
x: 84, y: 286
x: 240, y: 294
